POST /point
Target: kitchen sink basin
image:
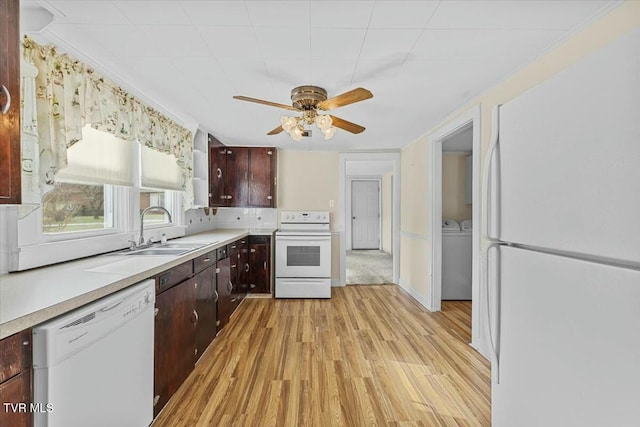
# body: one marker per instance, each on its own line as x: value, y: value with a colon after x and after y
x: 158, y: 251
x: 166, y: 249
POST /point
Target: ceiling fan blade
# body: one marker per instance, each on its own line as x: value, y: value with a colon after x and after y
x: 262, y: 101
x: 276, y: 131
x: 355, y: 95
x: 346, y: 125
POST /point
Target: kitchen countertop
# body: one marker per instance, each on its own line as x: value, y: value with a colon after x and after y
x: 31, y: 297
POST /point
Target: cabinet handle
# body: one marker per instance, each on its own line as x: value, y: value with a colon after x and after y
x: 156, y: 399
x: 215, y: 295
x: 7, y: 94
x: 25, y: 343
x: 230, y: 286
x: 265, y: 265
x: 219, y: 173
x: 233, y: 246
x: 229, y: 152
x: 270, y: 152
x: 156, y: 311
x: 269, y: 197
x: 195, y: 315
x: 217, y: 323
x: 223, y: 197
x: 229, y: 197
x: 233, y: 300
x: 251, y: 175
x: 246, y: 268
x: 206, y: 260
x: 252, y: 251
x: 195, y: 285
x: 195, y: 351
x: 233, y: 266
x: 217, y: 271
x: 252, y: 285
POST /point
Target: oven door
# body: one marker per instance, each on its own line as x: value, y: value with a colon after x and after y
x: 303, y: 255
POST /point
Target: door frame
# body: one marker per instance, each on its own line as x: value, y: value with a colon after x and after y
x: 341, y: 212
x: 434, y: 225
x: 349, y: 213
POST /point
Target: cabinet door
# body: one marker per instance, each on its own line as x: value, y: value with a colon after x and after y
x: 260, y: 265
x: 10, y: 169
x: 223, y: 282
x: 262, y: 162
x: 13, y: 392
x: 237, y: 176
x: 217, y: 175
x: 175, y: 347
x: 243, y: 268
x: 206, y: 307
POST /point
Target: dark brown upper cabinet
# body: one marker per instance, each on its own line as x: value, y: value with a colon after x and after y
x: 241, y: 176
x: 10, y: 169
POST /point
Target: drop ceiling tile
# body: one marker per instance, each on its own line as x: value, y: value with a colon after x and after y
x: 198, y: 68
x: 289, y: 73
x: 286, y: 42
x: 278, y: 13
x: 388, y: 43
x: 249, y: 77
x: 514, y: 45
x: 176, y: 41
x: 376, y: 69
x: 336, y: 44
x: 538, y: 14
x: 341, y: 14
x: 402, y: 14
x: 153, y: 13
x: 231, y: 42
x: 334, y: 76
x: 226, y: 13
x: 94, y: 12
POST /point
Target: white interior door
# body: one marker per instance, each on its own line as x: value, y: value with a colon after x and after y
x: 365, y: 214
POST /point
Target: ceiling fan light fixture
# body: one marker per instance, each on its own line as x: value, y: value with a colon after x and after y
x: 288, y: 123
x: 323, y: 121
x: 329, y: 132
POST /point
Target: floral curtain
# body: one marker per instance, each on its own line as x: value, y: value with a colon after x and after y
x: 70, y: 95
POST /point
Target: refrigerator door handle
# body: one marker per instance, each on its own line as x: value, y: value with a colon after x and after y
x: 489, y: 217
x: 492, y: 311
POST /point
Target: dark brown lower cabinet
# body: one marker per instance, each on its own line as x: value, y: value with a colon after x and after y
x: 206, y: 307
x: 15, y: 380
x: 225, y: 287
x: 260, y: 264
x: 243, y: 268
x: 15, y: 398
x: 175, y: 345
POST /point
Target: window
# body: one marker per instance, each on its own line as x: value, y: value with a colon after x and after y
x: 72, y: 208
x: 165, y: 199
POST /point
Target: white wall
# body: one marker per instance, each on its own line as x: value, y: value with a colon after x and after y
x: 454, y: 176
x: 386, y: 191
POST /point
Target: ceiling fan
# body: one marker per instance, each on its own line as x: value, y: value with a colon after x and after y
x: 311, y: 101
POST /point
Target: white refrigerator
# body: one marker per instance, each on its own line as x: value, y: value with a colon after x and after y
x: 562, y: 271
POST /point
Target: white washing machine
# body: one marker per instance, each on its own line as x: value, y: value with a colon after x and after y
x: 456, y: 260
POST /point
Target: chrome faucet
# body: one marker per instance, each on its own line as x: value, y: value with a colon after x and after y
x: 150, y: 208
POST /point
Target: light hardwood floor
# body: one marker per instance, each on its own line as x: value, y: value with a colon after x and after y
x: 370, y: 356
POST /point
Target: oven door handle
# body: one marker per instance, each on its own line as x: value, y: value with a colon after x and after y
x: 301, y: 238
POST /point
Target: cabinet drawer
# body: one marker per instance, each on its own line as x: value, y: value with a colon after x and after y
x: 260, y: 240
x: 174, y: 276
x: 15, y: 354
x: 222, y: 253
x: 204, y: 261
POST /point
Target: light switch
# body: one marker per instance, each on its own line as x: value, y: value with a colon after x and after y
x: 331, y: 203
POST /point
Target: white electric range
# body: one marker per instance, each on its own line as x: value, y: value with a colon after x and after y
x: 303, y: 255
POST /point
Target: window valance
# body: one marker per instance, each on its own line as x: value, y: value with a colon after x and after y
x: 70, y: 95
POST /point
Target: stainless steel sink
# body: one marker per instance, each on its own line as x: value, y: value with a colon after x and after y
x: 166, y: 249
x: 158, y: 251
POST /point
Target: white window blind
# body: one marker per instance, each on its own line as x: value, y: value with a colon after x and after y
x: 159, y: 170
x: 99, y: 158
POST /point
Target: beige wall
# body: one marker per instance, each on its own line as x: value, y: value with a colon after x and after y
x: 415, y: 160
x: 386, y: 192
x: 309, y: 180
x: 454, y: 175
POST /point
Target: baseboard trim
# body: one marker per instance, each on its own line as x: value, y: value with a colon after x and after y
x: 414, y: 293
x: 335, y: 283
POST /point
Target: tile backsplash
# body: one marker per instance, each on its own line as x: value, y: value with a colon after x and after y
x: 251, y: 218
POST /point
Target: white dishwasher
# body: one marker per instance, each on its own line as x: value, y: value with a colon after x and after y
x: 94, y: 366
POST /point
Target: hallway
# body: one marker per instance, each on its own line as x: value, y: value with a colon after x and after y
x: 369, y: 267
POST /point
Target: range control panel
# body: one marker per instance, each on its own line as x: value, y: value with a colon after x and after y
x: 300, y: 217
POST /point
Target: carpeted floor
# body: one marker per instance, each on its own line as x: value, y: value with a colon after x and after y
x: 369, y: 268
